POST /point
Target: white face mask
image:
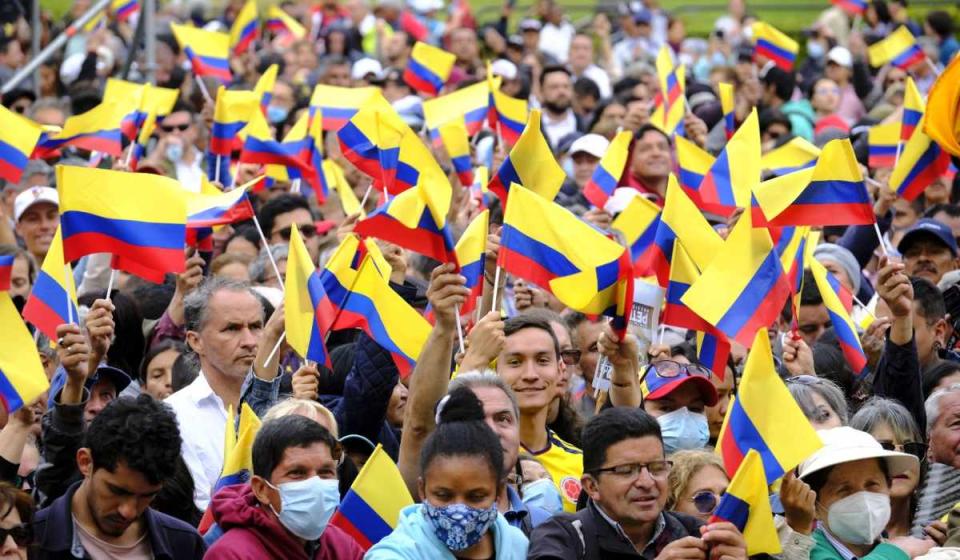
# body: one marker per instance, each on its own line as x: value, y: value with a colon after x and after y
x: 859, y: 518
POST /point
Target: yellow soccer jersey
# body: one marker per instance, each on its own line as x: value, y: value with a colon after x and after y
x: 564, y: 462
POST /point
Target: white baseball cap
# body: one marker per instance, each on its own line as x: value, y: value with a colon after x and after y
x: 841, y: 56
x: 504, y: 68
x: 845, y: 445
x: 31, y: 196
x: 365, y: 66
x: 593, y: 144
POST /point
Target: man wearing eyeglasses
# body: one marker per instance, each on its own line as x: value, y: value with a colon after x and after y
x: 279, y: 215
x: 176, y: 153
x: 625, y: 477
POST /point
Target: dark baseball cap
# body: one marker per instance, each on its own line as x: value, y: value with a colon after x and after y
x: 928, y: 228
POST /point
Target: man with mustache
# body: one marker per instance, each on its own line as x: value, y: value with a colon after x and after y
x: 225, y: 327
x: 929, y: 250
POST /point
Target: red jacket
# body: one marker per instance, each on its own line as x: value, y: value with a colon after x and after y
x: 253, y: 532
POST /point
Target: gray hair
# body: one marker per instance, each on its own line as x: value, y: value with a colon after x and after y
x: 36, y: 167
x: 828, y: 390
x: 932, y: 404
x: 878, y: 411
x: 49, y: 103
x: 485, y: 378
x: 260, y: 266
x: 195, y: 303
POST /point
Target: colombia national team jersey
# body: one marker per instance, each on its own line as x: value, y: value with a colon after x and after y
x: 564, y: 462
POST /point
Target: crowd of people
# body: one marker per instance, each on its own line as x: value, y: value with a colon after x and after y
x: 500, y: 439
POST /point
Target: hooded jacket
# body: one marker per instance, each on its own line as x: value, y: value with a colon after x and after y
x: 253, y: 532
x: 414, y: 539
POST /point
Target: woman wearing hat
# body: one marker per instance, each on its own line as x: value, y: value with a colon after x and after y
x: 851, y: 476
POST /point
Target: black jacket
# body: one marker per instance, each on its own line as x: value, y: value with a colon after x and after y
x: 169, y: 537
x: 587, y: 535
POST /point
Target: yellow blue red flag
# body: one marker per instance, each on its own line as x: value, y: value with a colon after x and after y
x: 727, y: 107
x: 507, y: 115
x: 770, y: 43
x: 766, y: 418
x: 606, y: 176
x: 694, y: 163
x: 53, y: 300
x: 281, y: 23
x: 912, y: 110
x: 638, y: 223
x: 308, y: 312
x: 735, y: 172
x: 899, y: 48
x: 140, y: 217
x: 530, y: 164
x: 882, y: 142
x: 791, y: 156
x: 21, y: 375
x: 337, y: 105
x: 245, y: 28
x: 371, y: 509
x: 18, y: 138
x: 470, y: 103
x: 833, y: 295
x: 921, y: 162
x: 456, y: 140
x: 428, y: 68
x: 744, y: 287
x: 746, y: 504
x: 208, y: 51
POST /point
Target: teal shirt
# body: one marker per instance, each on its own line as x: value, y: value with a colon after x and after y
x: 825, y: 551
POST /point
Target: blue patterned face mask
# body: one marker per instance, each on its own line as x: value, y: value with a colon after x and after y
x: 459, y: 526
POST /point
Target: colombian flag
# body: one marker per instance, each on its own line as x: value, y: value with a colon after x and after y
x: 455, y: 138
x: 694, y: 163
x: 773, y: 44
x: 832, y: 193
x: 428, y: 68
x: 683, y: 273
x: 21, y: 375
x: 735, y: 172
x: 852, y: 7
x: 833, y: 294
x: 530, y: 164
x: 471, y: 252
x: 744, y: 287
x: 244, y: 30
x: 371, y: 509
x: 124, y: 9
x: 713, y: 351
x: 606, y: 176
x: 883, y: 139
x: 18, y: 138
x: 337, y: 105
x: 96, y: 130
x: 231, y: 113
x: 747, y: 505
x: 638, y: 223
x: 766, y: 418
x: 921, y: 162
x: 208, y: 51
x: 53, y: 300
x: 309, y: 313
x: 507, y: 115
x: 138, y: 217
x: 281, y: 23
x: 792, y: 156
x: 6, y: 271
x: 470, y: 102
x: 727, y: 106
x: 912, y: 110
x: 546, y: 244
x: 900, y: 49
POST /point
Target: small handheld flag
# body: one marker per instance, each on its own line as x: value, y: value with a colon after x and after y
x: 606, y: 176
x: 899, y: 48
x: 245, y: 28
x: 21, y: 374
x: 747, y: 505
x: 772, y: 44
x: 428, y: 68
x: 208, y: 51
x: 530, y: 164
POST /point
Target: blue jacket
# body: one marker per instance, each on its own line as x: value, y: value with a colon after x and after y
x: 170, y: 538
x: 414, y: 539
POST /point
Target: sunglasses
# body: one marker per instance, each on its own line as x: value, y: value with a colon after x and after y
x: 22, y: 534
x: 172, y: 127
x: 570, y: 357
x: 306, y: 230
x: 705, y: 501
x: 917, y: 449
x: 670, y: 368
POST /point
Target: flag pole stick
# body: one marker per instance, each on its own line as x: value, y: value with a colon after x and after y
x: 496, y: 286
x: 663, y: 330
x: 203, y: 88
x: 933, y: 67
x: 216, y: 171
x: 66, y: 275
x: 366, y: 195
x: 276, y: 348
x: 113, y: 275
x: 896, y: 158
x: 883, y: 244
x: 266, y: 245
x: 463, y: 349
x: 295, y: 186
x: 864, y: 307
x: 126, y: 159
x: 500, y: 137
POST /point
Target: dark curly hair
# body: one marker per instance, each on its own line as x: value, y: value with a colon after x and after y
x: 142, y: 433
x: 462, y: 432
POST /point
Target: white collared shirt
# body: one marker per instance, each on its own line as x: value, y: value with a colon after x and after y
x: 202, y: 417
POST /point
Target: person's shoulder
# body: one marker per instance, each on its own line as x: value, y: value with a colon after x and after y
x: 178, y: 534
x: 563, y: 445
x: 170, y: 523
x: 558, y: 536
x: 338, y: 544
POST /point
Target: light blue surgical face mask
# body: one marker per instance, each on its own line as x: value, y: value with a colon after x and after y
x: 174, y: 152
x: 682, y: 429
x: 543, y: 494
x: 276, y: 114
x: 816, y: 50
x: 459, y: 526
x: 306, y: 506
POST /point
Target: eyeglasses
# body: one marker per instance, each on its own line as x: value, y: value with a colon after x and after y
x: 172, y: 127
x: 705, y: 501
x: 22, y: 534
x: 670, y: 368
x: 306, y: 230
x: 570, y: 357
x: 657, y: 469
x: 915, y: 448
